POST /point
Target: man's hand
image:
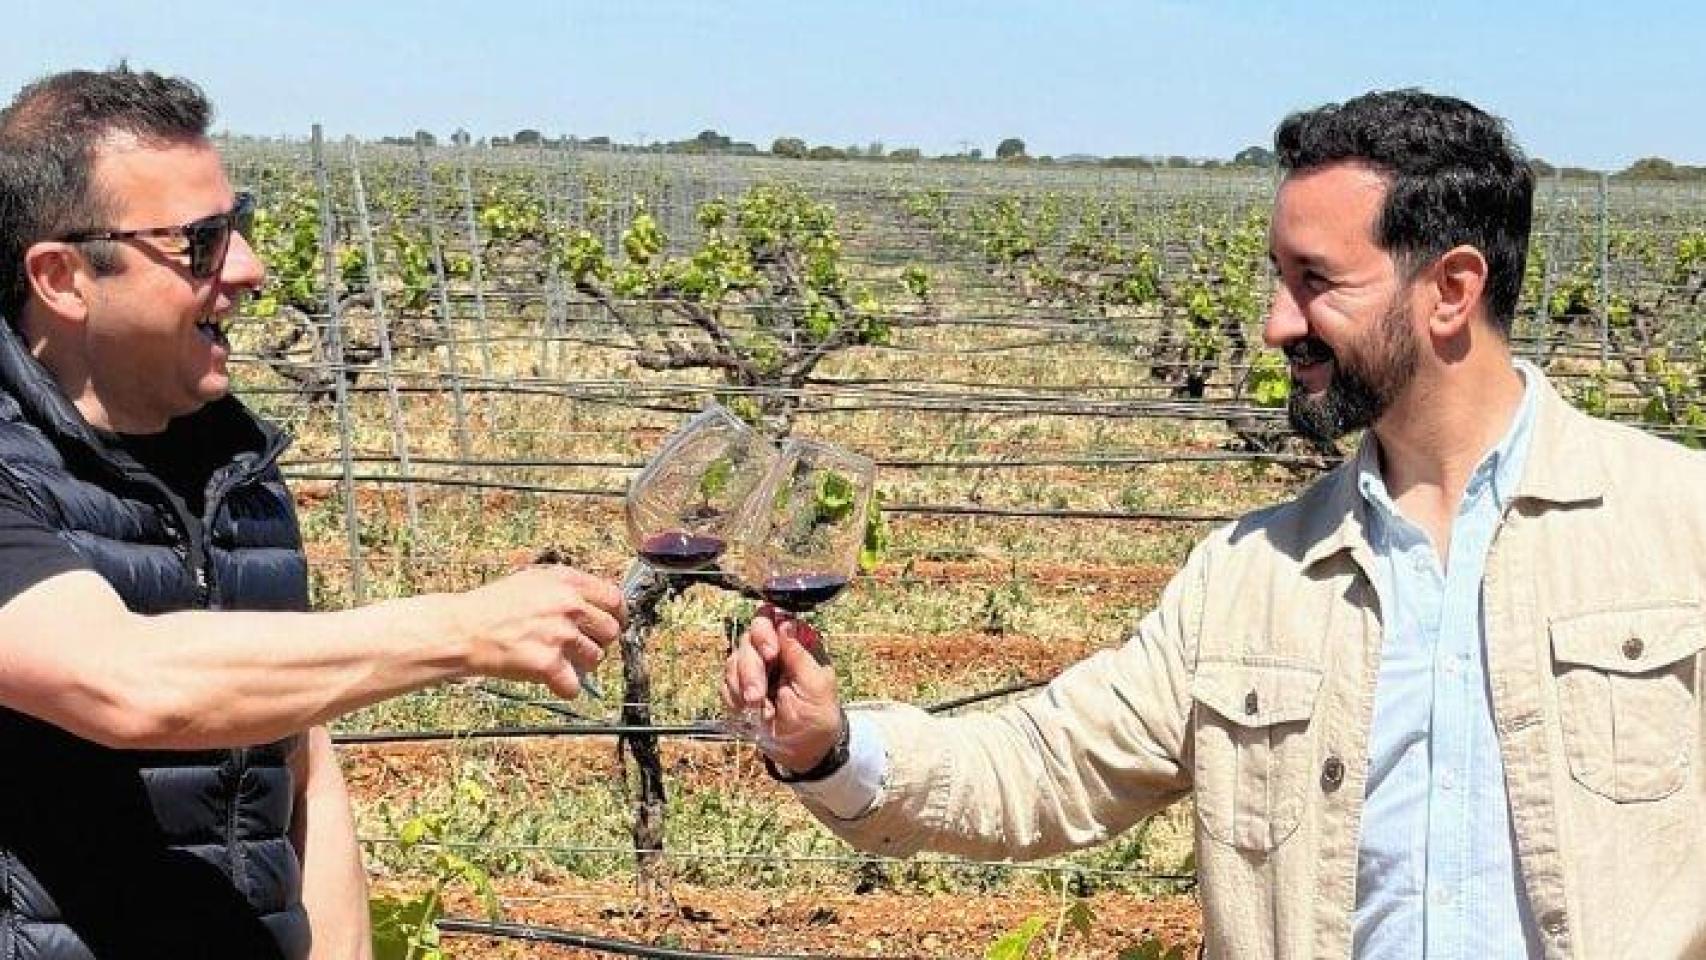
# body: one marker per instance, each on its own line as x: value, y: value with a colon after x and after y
x: 546, y: 624
x: 776, y: 671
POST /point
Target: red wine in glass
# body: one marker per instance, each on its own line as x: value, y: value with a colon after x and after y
x: 680, y: 550
x: 802, y: 592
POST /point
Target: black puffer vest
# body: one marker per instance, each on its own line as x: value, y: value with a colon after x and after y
x: 120, y: 854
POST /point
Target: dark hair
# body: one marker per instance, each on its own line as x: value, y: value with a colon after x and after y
x: 48, y: 137
x: 1455, y: 177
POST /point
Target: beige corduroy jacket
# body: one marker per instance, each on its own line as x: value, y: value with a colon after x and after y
x: 1251, y: 687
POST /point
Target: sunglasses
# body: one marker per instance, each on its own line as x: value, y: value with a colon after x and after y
x: 205, y: 241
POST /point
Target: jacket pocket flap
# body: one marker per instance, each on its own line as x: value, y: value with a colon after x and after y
x: 1630, y: 641
x: 1257, y: 691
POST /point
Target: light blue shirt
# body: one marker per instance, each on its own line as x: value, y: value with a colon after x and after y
x: 1436, y: 870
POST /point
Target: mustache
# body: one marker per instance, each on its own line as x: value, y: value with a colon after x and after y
x: 1308, y: 350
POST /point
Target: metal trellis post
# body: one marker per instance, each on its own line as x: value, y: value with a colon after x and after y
x: 1604, y: 273
x: 335, y: 347
x: 387, y: 362
x: 447, y: 322
x: 477, y: 250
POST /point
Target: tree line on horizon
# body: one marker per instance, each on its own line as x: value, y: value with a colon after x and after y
x: 1009, y: 150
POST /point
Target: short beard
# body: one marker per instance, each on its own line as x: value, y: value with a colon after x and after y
x: 1364, y: 383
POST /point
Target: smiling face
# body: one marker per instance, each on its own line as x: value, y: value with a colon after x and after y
x: 154, y: 345
x: 1341, y: 309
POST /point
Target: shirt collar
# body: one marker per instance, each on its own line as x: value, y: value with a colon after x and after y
x: 1501, y: 466
x: 1331, y: 517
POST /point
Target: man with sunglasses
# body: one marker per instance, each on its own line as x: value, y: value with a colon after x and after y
x: 167, y: 788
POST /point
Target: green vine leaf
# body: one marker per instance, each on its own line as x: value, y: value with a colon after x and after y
x: 1016, y: 943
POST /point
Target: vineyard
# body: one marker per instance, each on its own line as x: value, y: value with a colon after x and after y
x: 1058, y: 370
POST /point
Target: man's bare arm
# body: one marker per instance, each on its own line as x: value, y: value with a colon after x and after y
x: 74, y: 656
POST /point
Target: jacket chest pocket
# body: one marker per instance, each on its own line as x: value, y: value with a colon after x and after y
x: 1253, y: 752
x: 1627, y: 687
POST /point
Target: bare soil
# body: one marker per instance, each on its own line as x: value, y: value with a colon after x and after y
x: 830, y: 924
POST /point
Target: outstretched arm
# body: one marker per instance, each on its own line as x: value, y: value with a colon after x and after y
x: 1100, y: 748
x: 74, y: 656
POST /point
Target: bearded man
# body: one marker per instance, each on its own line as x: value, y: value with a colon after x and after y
x: 1446, y: 703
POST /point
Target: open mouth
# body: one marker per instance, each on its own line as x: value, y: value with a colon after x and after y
x: 212, y: 329
x: 1307, y: 353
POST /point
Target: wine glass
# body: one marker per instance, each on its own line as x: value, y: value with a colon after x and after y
x: 808, y: 525
x: 801, y: 539
x: 683, y: 508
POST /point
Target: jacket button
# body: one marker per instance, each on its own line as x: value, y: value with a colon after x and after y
x: 1633, y: 647
x: 1332, y: 773
x: 1251, y: 703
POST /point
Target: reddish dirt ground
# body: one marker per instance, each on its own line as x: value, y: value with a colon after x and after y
x: 811, y: 921
x: 816, y: 922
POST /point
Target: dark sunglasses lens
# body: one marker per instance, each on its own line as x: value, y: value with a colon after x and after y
x: 208, y: 240
x: 210, y: 237
x: 243, y: 215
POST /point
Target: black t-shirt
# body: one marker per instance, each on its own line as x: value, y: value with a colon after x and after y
x: 176, y: 459
x: 31, y: 550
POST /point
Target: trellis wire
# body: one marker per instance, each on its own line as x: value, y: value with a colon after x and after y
x: 1183, y: 880
x: 617, y: 946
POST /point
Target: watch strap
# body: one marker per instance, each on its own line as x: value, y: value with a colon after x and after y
x: 831, y: 763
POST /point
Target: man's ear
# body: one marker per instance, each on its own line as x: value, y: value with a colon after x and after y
x: 1460, y: 277
x: 58, y: 274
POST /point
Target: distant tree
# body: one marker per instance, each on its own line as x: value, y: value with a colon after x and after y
x: 710, y: 141
x: 791, y: 147
x: 905, y: 154
x: 1011, y: 148
x: 1541, y: 168
x: 1254, y: 156
x: 598, y: 142
x: 1130, y: 163
x: 826, y: 153
x: 1658, y: 168
x: 501, y: 141
x: 853, y: 151
x: 1649, y: 168
x: 1180, y: 162
x: 528, y: 138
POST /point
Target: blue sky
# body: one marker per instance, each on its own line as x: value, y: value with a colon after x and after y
x: 1594, y: 84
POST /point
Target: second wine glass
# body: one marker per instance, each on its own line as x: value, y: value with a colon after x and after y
x: 808, y: 525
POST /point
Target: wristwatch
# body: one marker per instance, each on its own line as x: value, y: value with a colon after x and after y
x: 833, y: 761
